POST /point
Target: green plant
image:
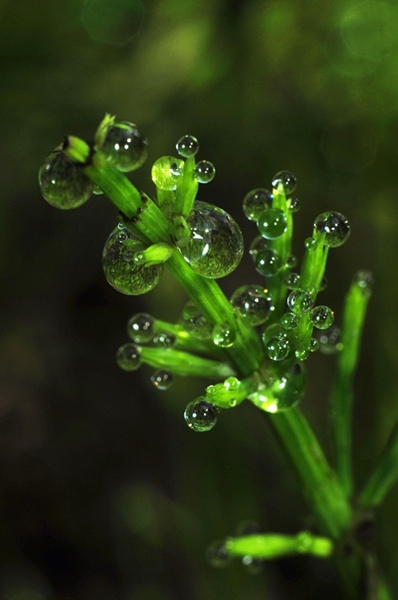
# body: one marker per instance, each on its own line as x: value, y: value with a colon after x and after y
x: 254, y: 344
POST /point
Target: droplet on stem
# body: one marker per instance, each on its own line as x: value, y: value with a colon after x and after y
x: 201, y: 415
x: 255, y: 202
x: 187, y: 146
x: 124, y: 146
x: 285, y: 179
x: 334, y: 226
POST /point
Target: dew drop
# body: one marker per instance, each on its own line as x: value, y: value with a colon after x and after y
x: 292, y: 281
x: 223, y: 335
x: 286, y: 179
x: 310, y: 243
x: 255, y: 202
x: 268, y: 262
x: 201, y: 415
x: 217, y: 555
x: 302, y: 353
x: 364, y: 280
x: 294, y: 205
x: 125, y: 275
x: 124, y: 147
x: 277, y: 348
x: 232, y: 384
x: 299, y: 301
x: 166, y: 172
x: 187, y: 146
x: 334, y: 226
x: 259, y: 243
x: 128, y: 357
x: 322, y: 317
x: 278, y: 393
x: 253, y: 302
x: 162, y: 379
x: 97, y: 190
x: 140, y: 328
x: 272, y: 223
x: 164, y: 340
x: 291, y: 261
x: 195, y: 322
x: 63, y: 183
x: 289, y: 321
x: 204, y: 171
x: 323, y: 284
x: 216, y: 245
x: 314, y: 345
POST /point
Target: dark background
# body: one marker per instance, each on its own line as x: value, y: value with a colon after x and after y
x: 104, y: 492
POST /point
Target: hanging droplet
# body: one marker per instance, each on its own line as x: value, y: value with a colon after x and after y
x: 253, y: 302
x: 216, y: 245
x: 204, y: 171
x: 329, y: 341
x: 124, y: 147
x: 201, y: 415
x: 314, y: 345
x: 289, y: 321
x: 141, y: 328
x: 259, y: 243
x: 294, y: 205
x: 63, y: 183
x: 299, y: 301
x: 272, y: 223
x: 292, y: 281
x: 164, y: 340
x: 187, y: 146
x: 162, y: 379
x: 364, y: 280
x: 121, y: 272
x: 128, y: 357
x: 217, y: 555
x: 277, y: 348
x: 286, y: 179
x: 334, y: 226
x: 166, y: 172
x: 255, y: 202
x: 322, y: 317
x: 268, y: 262
x: 223, y: 335
x: 310, y: 243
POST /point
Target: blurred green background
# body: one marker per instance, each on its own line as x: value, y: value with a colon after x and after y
x: 105, y: 493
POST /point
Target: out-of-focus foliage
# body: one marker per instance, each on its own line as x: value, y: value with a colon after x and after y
x: 105, y: 493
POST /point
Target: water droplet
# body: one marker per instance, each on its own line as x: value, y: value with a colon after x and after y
x: 334, y: 226
x: 162, y: 379
x: 63, y: 183
x: 253, y: 302
x: 201, y: 415
x: 294, y: 205
x: 268, y: 262
x: 97, y: 190
x: 125, y: 275
x: 329, y: 341
x: 128, y: 357
x: 299, y: 301
x: 255, y: 202
x: 305, y: 540
x: 314, y: 345
x: 124, y: 147
x: 223, y: 335
x: 310, y: 243
x: 286, y: 179
x: 259, y: 243
x: 364, y: 280
x: 322, y: 317
x: 166, y: 172
x: 253, y: 566
x: 323, y: 284
x: 278, y: 393
x: 291, y: 261
x: 216, y: 245
x: 217, y: 555
x: 289, y: 321
x: 278, y: 349
x: 204, y: 171
x: 141, y: 328
x: 195, y: 322
x: 164, y: 340
x: 232, y: 384
x: 272, y: 223
x: 302, y: 353
x: 187, y: 146
x: 292, y: 281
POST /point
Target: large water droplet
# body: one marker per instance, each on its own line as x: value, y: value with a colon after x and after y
x: 204, y: 171
x: 255, y: 202
x: 268, y: 262
x: 162, y: 379
x: 280, y: 392
x: 128, y: 357
x: 195, y: 322
x: 63, y: 182
x: 141, y: 328
x: 253, y: 302
x: 272, y: 223
x: 277, y: 348
x: 124, y: 146
x: 299, y: 301
x: 187, y: 146
x: 166, y: 172
x: 259, y: 243
x: 334, y: 226
x: 223, y: 335
x: 286, y: 179
x: 201, y: 415
x: 216, y: 245
x: 322, y: 317
x: 217, y: 555
x: 121, y: 272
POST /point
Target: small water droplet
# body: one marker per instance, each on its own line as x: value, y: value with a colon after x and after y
x: 277, y: 348
x: 310, y: 243
x: 255, y: 202
x: 286, y: 179
x: 292, y: 281
x: 299, y: 301
x: 314, y: 345
x: 302, y: 353
x: 204, y: 171
x: 253, y: 302
x: 364, y: 280
x: 124, y: 147
x: 128, y: 357
x: 272, y: 223
x: 97, y: 190
x: 289, y: 321
x: 164, y: 340
x: 140, y: 328
x: 259, y: 243
x: 223, y: 335
x: 291, y: 261
x: 162, y: 379
x: 268, y: 262
x: 334, y: 226
x: 294, y: 205
x: 187, y: 146
x: 166, y: 172
x: 232, y: 384
x: 217, y: 555
x: 322, y: 317
x: 201, y: 415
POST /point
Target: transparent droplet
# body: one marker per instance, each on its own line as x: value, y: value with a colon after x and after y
x: 291, y: 261
x: 125, y: 275
x: 272, y: 223
x: 232, y: 384
x: 310, y: 243
x: 164, y: 340
x: 128, y: 357
x: 97, y: 190
x: 252, y: 565
x: 329, y: 341
x: 322, y: 317
x: 278, y: 349
x: 280, y: 392
x: 268, y: 262
x: 323, y: 284
x: 255, y: 202
x: 334, y: 226
x: 299, y: 301
x: 204, y: 171
x: 217, y: 555
x: 303, y: 352
x: 259, y: 243
x: 223, y: 335
x: 195, y: 322
x: 292, y: 281
x: 162, y: 379
x: 187, y: 146
x: 141, y: 328
x: 216, y: 245
x: 286, y: 179
x: 63, y: 183
x: 274, y: 331
x: 166, y: 172
x: 189, y: 310
x: 294, y: 205
x: 289, y: 321
x: 253, y: 302
x: 201, y: 415
x: 124, y: 147
x: 314, y: 345
x: 364, y: 280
